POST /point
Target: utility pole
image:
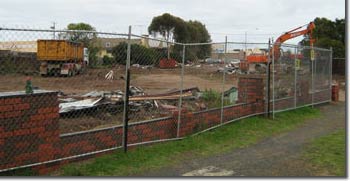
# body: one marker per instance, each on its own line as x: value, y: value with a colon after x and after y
x: 53, y: 27
x: 245, y: 37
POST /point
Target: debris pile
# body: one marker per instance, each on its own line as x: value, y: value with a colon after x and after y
x: 104, y: 108
x: 229, y: 69
x: 113, y: 101
x: 148, y: 67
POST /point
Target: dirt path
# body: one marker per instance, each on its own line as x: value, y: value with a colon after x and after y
x: 275, y: 156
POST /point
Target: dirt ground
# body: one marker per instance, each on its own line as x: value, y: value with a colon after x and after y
x: 280, y: 155
x: 152, y: 81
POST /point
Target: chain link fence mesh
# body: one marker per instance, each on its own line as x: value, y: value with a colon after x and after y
x: 87, y: 83
x: 300, y: 78
x: 175, y: 89
x: 155, y: 78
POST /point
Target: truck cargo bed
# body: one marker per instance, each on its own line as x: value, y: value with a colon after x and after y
x: 60, y: 50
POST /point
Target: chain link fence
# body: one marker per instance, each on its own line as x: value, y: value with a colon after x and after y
x: 302, y: 76
x: 175, y: 90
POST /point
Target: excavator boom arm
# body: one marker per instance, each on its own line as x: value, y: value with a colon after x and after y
x: 275, y: 50
x: 292, y: 34
x: 288, y: 36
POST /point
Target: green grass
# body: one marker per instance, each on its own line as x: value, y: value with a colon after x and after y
x: 19, y: 172
x: 145, y: 158
x: 327, y: 153
x: 213, y: 98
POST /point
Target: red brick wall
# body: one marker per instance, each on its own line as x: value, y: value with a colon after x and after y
x: 89, y: 141
x: 28, y: 129
x: 196, y: 122
x: 251, y: 88
x: 158, y: 129
x: 85, y: 142
x: 283, y: 103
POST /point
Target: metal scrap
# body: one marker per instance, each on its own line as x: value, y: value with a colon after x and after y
x: 109, y: 100
x: 78, y: 105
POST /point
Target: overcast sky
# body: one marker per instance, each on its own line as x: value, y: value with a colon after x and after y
x: 261, y: 19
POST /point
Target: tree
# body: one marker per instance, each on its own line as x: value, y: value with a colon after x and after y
x: 164, y: 25
x: 200, y: 34
x: 175, y: 28
x: 81, y: 36
x: 340, y: 29
x: 328, y: 34
x: 87, y: 38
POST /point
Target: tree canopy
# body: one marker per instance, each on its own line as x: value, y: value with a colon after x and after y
x: 80, y: 36
x: 328, y: 34
x: 175, y: 28
x: 87, y: 38
x: 164, y: 25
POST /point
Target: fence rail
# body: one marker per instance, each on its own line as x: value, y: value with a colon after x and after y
x: 58, y: 109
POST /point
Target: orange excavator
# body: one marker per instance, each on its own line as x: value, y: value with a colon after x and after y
x: 275, y: 50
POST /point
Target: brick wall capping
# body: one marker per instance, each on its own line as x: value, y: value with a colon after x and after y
x: 22, y: 93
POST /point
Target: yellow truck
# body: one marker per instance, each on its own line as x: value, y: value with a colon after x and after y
x: 61, y: 57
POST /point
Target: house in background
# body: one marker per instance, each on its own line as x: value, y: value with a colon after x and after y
x: 150, y: 43
x: 256, y: 51
x: 107, y: 44
x: 218, y: 51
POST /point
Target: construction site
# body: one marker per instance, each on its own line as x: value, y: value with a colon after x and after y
x: 84, y: 97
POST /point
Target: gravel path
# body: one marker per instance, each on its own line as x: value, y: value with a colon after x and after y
x: 274, y: 156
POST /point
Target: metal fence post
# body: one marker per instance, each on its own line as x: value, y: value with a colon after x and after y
x: 181, y: 89
x: 273, y: 81
x: 331, y: 73
x: 312, y: 80
x: 295, y: 76
x: 223, y: 84
x: 268, y: 80
x: 126, y: 97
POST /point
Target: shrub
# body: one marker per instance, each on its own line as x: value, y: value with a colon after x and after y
x: 107, y: 60
x: 139, y: 54
x: 212, y: 99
